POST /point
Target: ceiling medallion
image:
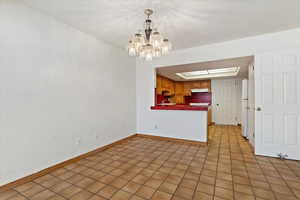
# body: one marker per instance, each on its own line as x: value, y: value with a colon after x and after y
x: 150, y: 43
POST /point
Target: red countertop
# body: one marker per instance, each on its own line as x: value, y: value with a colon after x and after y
x: 180, y: 107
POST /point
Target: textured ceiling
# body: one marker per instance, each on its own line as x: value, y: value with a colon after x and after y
x: 187, y: 23
x: 242, y: 62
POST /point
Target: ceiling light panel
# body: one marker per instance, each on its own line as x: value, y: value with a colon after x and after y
x: 195, y: 73
x: 223, y: 70
x: 213, y: 73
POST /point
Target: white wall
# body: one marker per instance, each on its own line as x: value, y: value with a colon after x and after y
x: 227, y: 94
x: 57, y: 86
x: 243, y: 47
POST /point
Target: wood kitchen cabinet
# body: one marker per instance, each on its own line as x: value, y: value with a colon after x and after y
x: 187, y: 88
x: 168, y: 86
x: 179, y: 89
x: 164, y: 85
x: 195, y: 84
x: 205, y: 84
x: 209, y: 117
x: 159, y: 88
x: 179, y: 93
x: 188, y: 85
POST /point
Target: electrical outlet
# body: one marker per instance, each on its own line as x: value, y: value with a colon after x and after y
x: 78, y: 141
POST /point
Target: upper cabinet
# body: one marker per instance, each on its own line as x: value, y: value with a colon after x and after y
x: 187, y: 86
x: 168, y: 86
x: 164, y: 85
x: 206, y: 84
x: 159, y: 85
x: 203, y: 84
x: 179, y: 92
x: 195, y: 84
x: 179, y: 89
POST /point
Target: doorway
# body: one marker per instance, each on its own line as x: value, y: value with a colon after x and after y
x: 226, y: 101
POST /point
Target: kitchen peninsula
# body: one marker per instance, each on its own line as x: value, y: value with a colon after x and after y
x: 182, y: 108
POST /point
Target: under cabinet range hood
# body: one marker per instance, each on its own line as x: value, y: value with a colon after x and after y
x: 199, y: 104
x: 200, y: 90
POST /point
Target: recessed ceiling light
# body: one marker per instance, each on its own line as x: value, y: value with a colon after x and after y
x: 211, y: 73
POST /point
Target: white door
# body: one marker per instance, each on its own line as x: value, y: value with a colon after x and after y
x: 226, y: 101
x: 277, y: 94
x: 251, y: 105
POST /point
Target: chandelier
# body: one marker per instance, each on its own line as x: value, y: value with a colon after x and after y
x: 150, y: 43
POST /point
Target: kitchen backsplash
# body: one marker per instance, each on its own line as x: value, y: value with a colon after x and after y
x: 199, y: 97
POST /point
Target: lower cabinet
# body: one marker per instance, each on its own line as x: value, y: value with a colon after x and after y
x: 209, y: 117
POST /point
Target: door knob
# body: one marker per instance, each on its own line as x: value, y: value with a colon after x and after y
x: 258, y: 109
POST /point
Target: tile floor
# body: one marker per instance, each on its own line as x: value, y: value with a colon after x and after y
x: 158, y: 170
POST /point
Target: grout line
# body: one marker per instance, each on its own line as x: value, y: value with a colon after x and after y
x: 246, y: 167
x: 229, y: 142
x: 218, y: 159
x: 284, y: 181
x: 167, y: 154
x: 198, y: 180
x: 19, y: 193
x: 263, y: 173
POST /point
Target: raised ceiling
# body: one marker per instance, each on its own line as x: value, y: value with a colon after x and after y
x: 188, y: 23
x: 242, y: 62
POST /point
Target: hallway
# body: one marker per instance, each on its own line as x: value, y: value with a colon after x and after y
x: 159, y: 170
